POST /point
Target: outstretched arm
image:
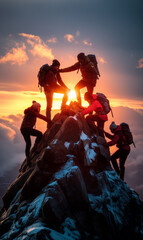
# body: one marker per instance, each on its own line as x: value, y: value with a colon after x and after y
x: 113, y: 141
x: 46, y: 119
x: 108, y: 135
x: 60, y: 81
x: 95, y: 106
x: 74, y: 67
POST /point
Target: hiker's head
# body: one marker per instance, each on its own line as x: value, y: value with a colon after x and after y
x: 88, y: 97
x: 113, y: 127
x: 36, y: 106
x: 81, y: 57
x: 56, y: 64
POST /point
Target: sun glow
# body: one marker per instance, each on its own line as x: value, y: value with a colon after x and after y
x: 72, y: 96
x: 14, y: 102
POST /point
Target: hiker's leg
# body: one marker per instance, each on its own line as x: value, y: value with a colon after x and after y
x: 49, y: 101
x: 90, y: 88
x: 64, y: 100
x: 114, y: 158
x: 60, y: 89
x: 37, y: 134
x: 123, y: 156
x: 81, y: 84
x: 27, y: 139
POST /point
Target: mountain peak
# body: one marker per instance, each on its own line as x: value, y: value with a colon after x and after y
x: 70, y: 191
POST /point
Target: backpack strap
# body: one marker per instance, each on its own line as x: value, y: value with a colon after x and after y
x: 134, y: 144
x: 112, y: 113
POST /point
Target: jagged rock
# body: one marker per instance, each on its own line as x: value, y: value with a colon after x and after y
x: 55, y: 207
x: 70, y: 191
x: 36, y: 181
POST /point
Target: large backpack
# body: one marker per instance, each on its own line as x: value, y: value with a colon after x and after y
x: 92, y: 58
x: 105, y: 103
x: 42, y: 75
x: 127, y: 133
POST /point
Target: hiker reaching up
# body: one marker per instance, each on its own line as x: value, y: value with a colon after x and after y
x: 52, y: 83
x: 89, y: 73
x: 30, y: 116
x: 99, y: 116
x: 122, y: 153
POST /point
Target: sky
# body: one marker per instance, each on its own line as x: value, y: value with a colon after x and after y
x: 34, y: 32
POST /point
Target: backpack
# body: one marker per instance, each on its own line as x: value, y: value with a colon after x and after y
x: 105, y: 103
x: 92, y: 58
x: 42, y: 75
x: 127, y: 133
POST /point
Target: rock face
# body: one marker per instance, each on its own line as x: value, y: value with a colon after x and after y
x: 70, y: 190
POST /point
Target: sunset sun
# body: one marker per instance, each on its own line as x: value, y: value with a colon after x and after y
x: 72, y: 95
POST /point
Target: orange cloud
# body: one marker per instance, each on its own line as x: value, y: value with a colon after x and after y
x: 87, y: 43
x: 140, y: 63
x: 69, y: 37
x: 52, y: 40
x: 39, y: 48
x: 42, y: 50
x: 30, y: 36
x: 16, y: 56
x: 102, y: 60
x: 9, y: 131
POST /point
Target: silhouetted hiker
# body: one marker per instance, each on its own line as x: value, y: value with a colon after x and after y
x: 50, y: 85
x: 95, y: 105
x: 89, y: 74
x: 27, y: 130
x: 123, y: 151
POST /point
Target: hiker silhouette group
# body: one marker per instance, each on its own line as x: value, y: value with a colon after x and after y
x: 49, y: 77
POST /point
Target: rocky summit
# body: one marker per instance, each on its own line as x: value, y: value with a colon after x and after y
x: 70, y: 191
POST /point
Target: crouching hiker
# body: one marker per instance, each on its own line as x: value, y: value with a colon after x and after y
x: 27, y: 130
x: 94, y: 105
x: 122, y: 153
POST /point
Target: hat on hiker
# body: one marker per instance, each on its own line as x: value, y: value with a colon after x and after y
x: 55, y: 63
x: 36, y: 105
x: 113, y: 126
x: 81, y: 56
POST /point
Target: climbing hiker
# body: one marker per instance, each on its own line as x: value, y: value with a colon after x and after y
x: 48, y: 77
x: 100, y: 115
x: 89, y: 72
x: 122, y: 153
x: 27, y: 130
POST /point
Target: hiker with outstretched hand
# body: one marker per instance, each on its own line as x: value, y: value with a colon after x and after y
x: 52, y: 77
x: 89, y: 72
x: 95, y: 106
x: 122, y: 153
x: 27, y: 130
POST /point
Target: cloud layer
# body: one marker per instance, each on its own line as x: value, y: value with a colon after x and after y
x: 31, y: 44
x: 16, y: 55
x: 12, y: 144
x: 140, y: 63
